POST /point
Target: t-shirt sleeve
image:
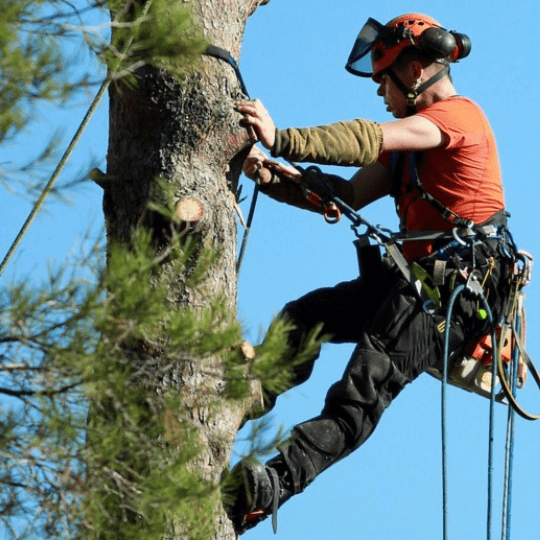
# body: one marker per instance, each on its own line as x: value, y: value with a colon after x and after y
x: 461, y: 122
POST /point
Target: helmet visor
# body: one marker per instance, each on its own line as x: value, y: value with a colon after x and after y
x: 359, y: 62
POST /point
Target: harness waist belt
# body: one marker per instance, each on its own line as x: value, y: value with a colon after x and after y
x: 487, y: 231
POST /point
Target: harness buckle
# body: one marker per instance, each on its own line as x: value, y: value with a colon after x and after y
x: 428, y: 286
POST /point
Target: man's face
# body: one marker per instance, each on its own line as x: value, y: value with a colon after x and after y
x: 394, y: 99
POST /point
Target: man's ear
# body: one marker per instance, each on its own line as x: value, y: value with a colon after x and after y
x: 417, y: 71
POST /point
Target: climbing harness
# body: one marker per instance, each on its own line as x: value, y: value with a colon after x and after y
x: 472, y: 372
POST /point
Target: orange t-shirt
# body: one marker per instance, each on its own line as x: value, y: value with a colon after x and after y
x: 463, y: 174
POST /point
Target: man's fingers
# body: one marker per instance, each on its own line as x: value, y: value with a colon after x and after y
x: 257, y: 116
x: 251, y: 108
x: 246, y: 107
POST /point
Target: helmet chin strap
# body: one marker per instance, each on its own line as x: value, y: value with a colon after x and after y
x: 411, y: 94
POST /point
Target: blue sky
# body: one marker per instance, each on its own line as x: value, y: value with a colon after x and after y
x: 293, y: 59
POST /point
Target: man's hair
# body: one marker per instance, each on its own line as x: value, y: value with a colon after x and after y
x: 412, y: 54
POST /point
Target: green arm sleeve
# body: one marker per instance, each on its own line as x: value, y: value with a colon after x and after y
x: 356, y: 142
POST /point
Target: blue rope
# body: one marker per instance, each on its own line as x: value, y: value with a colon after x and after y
x: 491, y: 420
x: 509, y: 456
x: 457, y: 291
x: 508, y: 469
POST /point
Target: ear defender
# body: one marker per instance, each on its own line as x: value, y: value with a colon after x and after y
x: 463, y: 46
x: 441, y: 44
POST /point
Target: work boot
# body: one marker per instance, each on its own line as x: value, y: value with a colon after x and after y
x: 259, y: 492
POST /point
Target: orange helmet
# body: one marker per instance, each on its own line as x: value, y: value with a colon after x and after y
x: 408, y: 29
x: 386, y: 43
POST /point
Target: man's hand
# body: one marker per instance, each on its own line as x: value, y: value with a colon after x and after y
x: 258, y: 163
x: 257, y: 116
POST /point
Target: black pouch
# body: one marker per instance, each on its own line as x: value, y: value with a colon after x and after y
x: 369, y: 259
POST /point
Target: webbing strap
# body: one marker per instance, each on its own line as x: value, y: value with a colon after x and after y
x: 396, y: 164
x: 222, y: 54
x: 446, y: 213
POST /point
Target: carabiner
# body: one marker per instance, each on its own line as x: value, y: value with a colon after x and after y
x: 457, y: 238
x: 526, y: 271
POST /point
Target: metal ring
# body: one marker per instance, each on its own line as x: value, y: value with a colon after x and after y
x: 332, y: 214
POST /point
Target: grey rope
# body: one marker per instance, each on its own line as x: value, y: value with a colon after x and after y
x: 59, y: 168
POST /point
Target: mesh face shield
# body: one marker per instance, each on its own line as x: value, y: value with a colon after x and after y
x: 359, y: 62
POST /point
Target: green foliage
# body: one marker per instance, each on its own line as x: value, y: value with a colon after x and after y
x: 45, y: 337
x: 71, y: 351
x: 139, y: 453
x: 32, y: 66
x: 37, y: 38
x: 91, y: 444
x: 45, y: 46
x: 274, y: 361
x: 159, y: 33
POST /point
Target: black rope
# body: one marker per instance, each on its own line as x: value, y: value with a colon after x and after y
x: 222, y: 54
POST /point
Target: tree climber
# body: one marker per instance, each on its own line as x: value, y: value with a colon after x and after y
x: 439, y: 161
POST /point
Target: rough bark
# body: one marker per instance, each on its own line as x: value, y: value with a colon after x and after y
x: 187, y: 132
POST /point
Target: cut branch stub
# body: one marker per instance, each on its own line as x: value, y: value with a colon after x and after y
x: 190, y: 210
x: 248, y: 351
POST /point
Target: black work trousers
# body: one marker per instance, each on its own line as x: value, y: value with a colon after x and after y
x: 396, y: 341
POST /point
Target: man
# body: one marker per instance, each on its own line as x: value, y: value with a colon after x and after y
x: 439, y: 161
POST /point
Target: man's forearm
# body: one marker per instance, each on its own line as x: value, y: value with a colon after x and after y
x: 356, y: 143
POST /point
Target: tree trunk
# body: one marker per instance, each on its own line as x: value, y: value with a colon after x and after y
x: 187, y: 133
